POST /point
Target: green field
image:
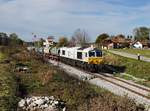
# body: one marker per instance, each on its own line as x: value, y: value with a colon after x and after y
x: 143, y: 52
x: 8, y: 88
x: 133, y: 67
x: 2, y: 56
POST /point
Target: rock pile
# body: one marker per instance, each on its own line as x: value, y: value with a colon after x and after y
x: 41, y: 104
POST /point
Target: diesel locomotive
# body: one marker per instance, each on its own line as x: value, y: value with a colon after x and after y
x: 87, y: 58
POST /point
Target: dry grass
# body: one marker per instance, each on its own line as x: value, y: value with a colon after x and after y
x: 111, y: 103
x: 79, y: 96
x: 45, y: 77
x: 111, y: 59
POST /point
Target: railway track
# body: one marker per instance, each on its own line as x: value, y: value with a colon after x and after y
x: 118, y: 81
x: 125, y: 81
x: 139, y: 90
x: 132, y: 87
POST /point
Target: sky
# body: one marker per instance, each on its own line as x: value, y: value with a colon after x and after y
x: 62, y: 17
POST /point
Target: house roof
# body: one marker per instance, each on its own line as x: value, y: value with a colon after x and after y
x: 50, y: 37
x: 143, y: 42
x: 118, y: 39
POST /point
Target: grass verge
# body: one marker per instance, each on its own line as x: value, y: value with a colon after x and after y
x: 8, y: 89
x: 133, y: 67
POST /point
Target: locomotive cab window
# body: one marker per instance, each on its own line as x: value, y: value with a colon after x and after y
x: 91, y: 54
x: 98, y: 54
x: 63, y: 52
x: 79, y: 55
x: 58, y: 52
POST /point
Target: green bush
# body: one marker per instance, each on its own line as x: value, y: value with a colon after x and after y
x: 8, y: 90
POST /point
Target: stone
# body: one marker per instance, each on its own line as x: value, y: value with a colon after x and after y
x: 41, y: 103
x: 22, y: 103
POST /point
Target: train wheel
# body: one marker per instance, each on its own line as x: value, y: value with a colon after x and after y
x: 93, y: 68
x: 90, y: 67
x: 84, y: 67
x: 74, y: 64
x: 100, y: 68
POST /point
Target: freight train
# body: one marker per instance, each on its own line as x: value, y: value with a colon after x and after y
x: 87, y: 58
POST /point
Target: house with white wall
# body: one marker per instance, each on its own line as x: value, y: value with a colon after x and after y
x: 137, y: 45
x: 48, y: 43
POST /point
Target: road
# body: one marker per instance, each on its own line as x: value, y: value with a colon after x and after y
x: 133, y: 56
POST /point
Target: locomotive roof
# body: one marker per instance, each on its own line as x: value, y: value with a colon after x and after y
x: 82, y: 48
x: 89, y: 49
x: 69, y: 47
x: 97, y: 49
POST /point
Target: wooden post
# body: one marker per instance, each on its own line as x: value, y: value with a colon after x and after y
x: 138, y: 56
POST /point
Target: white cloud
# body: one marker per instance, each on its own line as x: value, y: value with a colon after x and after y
x: 62, y: 17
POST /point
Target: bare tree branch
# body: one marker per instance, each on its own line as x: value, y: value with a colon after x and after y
x: 80, y: 37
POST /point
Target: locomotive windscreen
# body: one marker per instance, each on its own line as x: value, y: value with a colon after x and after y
x: 98, y: 53
x: 91, y: 54
x: 95, y: 53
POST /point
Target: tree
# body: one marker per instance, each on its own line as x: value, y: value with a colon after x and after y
x: 40, y: 42
x: 63, y: 41
x: 12, y: 40
x: 15, y: 40
x: 80, y: 37
x: 129, y: 37
x: 141, y: 33
x: 72, y: 42
x: 20, y: 41
x: 4, y: 39
x: 100, y: 39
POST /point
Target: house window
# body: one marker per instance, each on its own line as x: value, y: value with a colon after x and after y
x: 79, y: 55
x: 63, y: 52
